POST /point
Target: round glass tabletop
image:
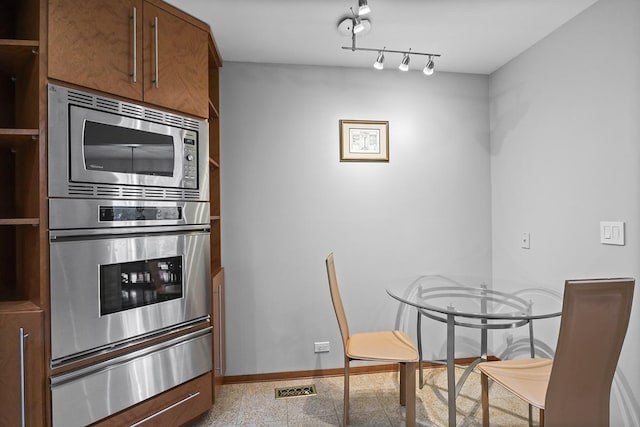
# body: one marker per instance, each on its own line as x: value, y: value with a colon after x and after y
x: 481, y: 302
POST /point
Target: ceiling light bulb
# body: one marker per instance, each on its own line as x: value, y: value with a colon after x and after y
x: 358, y: 26
x: 428, y: 69
x: 363, y: 8
x: 404, y: 65
x: 379, y: 64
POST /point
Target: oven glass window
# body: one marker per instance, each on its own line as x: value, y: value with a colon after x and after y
x: 135, y: 284
x: 111, y: 148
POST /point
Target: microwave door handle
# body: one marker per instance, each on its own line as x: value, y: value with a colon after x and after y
x: 155, y: 37
x: 135, y: 47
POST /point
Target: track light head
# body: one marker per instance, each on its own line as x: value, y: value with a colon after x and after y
x: 363, y: 7
x: 379, y: 64
x: 357, y: 26
x: 428, y: 69
x: 346, y: 26
x: 404, y: 65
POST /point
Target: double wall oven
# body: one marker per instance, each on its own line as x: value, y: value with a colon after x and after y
x: 129, y: 250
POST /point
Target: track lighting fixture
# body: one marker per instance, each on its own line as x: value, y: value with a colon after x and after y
x: 406, y: 58
x: 379, y: 64
x: 350, y: 26
x: 428, y: 69
x: 363, y: 7
x: 404, y: 65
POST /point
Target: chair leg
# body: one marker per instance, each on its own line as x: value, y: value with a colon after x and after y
x: 345, y: 411
x: 409, y: 393
x: 484, y: 380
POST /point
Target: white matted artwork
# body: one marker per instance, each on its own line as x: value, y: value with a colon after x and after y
x: 363, y: 140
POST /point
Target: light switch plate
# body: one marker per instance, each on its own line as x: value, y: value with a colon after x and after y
x: 612, y: 233
x: 525, y: 241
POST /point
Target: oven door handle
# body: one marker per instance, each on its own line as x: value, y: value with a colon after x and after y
x: 111, y: 233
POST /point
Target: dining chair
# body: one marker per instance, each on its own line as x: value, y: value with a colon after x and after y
x: 574, y: 388
x: 383, y: 346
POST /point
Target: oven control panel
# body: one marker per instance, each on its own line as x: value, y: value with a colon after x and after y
x: 76, y: 214
x: 139, y: 213
x: 190, y: 160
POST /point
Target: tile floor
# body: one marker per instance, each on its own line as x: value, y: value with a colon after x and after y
x: 374, y: 402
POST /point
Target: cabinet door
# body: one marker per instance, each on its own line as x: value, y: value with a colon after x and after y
x: 217, y: 318
x: 92, y: 43
x: 15, y: 364
x: 175, y: 62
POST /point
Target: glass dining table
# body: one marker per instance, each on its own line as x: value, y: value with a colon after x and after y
x: 477, y: 307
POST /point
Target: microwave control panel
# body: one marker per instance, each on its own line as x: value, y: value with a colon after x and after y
x: 190, y: 160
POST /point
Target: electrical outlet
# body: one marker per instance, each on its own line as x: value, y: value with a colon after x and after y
x: 321, y: 347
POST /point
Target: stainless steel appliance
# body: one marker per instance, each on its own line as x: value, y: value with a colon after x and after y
x: 123, y: 272
x: 87, y: 395
x: 106, y: 148
x: 111, y: 282
x: 129, y: 234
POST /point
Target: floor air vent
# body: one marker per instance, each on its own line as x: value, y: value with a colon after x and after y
x: 296, y: 391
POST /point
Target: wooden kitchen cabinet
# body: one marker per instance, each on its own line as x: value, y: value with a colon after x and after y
x: 214, y: 155
x: 21, y: 365
x: 144, y: 50
x: 21, y: 150
x: 217, y: 271
x: 217, y: 319
x: 89, y: 44
x: 93, y: 44
x: 23, y: 219
x: 175, y: 62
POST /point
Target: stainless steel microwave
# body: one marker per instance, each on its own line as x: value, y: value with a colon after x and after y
x: 105, y: 148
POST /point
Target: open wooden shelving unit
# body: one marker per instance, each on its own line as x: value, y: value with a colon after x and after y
x: 22, y: 154
x: 217, y: 272
x: 23, y: 212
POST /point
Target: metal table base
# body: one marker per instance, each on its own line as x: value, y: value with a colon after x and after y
x: 453, y: 388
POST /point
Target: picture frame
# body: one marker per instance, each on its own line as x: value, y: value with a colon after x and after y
x: 364, y: 141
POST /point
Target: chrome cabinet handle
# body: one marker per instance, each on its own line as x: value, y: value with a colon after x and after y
x: 220, y: 353
x: 135, y: 47
x: 23, y: 419
x: 168, y: 408
x: 155, y: 36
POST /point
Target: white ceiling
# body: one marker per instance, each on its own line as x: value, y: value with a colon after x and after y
x: 473, y: 36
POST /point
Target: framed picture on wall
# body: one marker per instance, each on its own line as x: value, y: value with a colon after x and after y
x: 364, y: 141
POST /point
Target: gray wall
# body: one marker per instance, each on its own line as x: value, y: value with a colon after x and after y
x: 287, y: 201
x: 565, y: 144
x: 549, y: 144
